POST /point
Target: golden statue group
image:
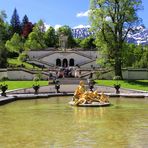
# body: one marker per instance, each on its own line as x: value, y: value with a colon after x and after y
x: 81, y: 96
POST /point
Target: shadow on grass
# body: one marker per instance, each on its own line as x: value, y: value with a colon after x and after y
x: 137, y: 82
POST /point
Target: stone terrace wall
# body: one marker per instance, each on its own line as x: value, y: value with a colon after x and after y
x: 129, y: 74
x: 19, y: 74
x: 135, y: 74
x: 3, y: 73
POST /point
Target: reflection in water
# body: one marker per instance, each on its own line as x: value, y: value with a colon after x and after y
x: 82, y: 114
x: 53, y: 123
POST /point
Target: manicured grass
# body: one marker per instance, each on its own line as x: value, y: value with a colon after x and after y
x: 22, y: 84
x: 133, y: 84
x: 138, y: 84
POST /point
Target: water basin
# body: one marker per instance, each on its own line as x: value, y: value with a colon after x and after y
x: 52, y: 122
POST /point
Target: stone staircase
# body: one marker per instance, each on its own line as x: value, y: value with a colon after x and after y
x: 72, y: 80
x: 40, y: 63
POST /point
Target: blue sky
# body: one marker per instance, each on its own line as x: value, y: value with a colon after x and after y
x: 57, y: 12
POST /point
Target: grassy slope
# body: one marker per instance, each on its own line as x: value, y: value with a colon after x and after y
x: 16, y: 63
x: 137, y: 84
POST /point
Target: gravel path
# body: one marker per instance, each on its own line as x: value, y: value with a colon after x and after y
x: 71, y: 88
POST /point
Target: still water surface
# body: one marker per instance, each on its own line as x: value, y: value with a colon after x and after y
x: 52, y: 123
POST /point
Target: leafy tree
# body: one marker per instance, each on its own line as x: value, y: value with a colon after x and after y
x: 50, y: 37
x: 27, y: 29
x: 66, y: 31
x: 77, y: 42
x: 26, y: 26
x: 15, y: 44
x: 135, y: 56
x: 111, y: 21
x: 3, y: 38
x: 3, y: 27
x: 142, y: 62
x: 88, y: 43
x: 3, y: 56
x: 3, y: 15
x: 36, y: 38
x: 15, y: 22
x: 131, y: 54
x: 32, y: 42
x: 23, y: 57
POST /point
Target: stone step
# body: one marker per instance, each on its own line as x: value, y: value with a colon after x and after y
x: 72, y: 80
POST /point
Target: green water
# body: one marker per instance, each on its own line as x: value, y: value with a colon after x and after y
x: 52, y: 123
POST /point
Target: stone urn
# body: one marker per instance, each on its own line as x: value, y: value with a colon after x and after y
x: 57, y: 86
x: 117, y: 87
x: 36, y: 88
x: 36, y: 85
x: 3, y: 88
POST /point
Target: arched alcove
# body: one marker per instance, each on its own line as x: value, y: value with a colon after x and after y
x: 71, y: 62
x: 58, y: 62
x: 65, y: 63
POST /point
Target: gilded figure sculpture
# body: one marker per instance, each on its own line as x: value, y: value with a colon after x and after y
x: 88, y: 98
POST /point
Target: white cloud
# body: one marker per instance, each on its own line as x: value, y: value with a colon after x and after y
x: 83, y: 14
x: 56, y: 27
x: 81, y: 26
x: 47, y: 26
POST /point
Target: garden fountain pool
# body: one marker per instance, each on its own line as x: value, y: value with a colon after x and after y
x: 52, y: 122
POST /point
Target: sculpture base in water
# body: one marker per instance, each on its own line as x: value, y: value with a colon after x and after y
x: 88, y: 98
x: 93, y: 104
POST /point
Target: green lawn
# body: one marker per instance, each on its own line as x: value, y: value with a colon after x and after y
x: 138, y: 84
x: 134, y: 84
x: 22, y: 84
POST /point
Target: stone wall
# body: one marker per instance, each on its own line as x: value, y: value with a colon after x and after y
x: 135, y: 74
x: 129, y: 74
x: 18, y: 74
x: 3, y: 73
x: 36, y: 54
x: 89, y: 65
x: 79, y: 57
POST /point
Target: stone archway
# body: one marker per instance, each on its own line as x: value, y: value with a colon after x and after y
x: 58, y: 62
x: 65, y: 63
x: 71, y: 62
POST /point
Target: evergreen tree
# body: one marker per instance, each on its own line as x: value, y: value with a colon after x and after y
x: 15, y: 23
x: 25, y: 21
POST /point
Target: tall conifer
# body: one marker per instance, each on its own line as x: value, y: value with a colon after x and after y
x: 25, y: 21
x: 15, y: 23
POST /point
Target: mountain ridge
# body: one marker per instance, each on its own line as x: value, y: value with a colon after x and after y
x: 138, y: 35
